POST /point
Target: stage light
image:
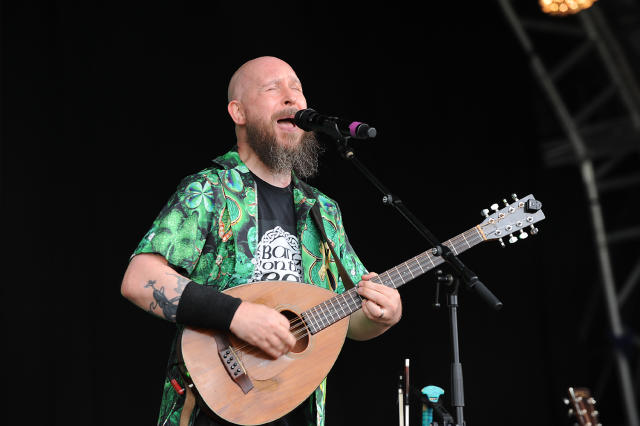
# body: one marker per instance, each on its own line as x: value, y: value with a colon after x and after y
x: 564, y: 7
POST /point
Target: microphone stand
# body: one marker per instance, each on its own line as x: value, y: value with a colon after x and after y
x: 460, y: 270
x: 457, y: 398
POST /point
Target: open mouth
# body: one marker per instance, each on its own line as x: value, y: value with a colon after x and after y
x: 287, y: 122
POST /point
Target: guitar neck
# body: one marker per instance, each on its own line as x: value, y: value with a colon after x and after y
x: 333, y: 310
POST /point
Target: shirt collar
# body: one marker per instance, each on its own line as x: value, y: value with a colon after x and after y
x: 231, y: 160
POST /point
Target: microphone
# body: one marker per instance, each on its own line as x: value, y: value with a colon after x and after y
x: 310, y: 120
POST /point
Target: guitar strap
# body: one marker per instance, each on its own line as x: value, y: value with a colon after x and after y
x: 317, y: 216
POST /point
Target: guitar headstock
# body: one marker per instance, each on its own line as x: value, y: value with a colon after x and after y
x: 513, y: 221
x: 582, y: 407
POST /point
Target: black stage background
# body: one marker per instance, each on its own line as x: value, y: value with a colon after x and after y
x: 106, y: 106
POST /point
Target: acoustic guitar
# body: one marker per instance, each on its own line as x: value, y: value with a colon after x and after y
x: 243, y: 385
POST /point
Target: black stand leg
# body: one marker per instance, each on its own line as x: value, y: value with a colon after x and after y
x: 456, y: 367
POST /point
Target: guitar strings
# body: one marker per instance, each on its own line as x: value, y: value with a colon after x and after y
x: 298, y: 327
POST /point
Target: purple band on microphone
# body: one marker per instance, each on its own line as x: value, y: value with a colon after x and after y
x: 353, y: 127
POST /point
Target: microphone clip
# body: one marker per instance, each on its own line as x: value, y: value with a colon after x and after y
x: 345, y: 150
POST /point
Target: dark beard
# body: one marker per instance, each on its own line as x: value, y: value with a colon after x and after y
x: 303, y: 159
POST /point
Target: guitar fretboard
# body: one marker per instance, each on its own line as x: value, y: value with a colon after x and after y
x: 333, y: 310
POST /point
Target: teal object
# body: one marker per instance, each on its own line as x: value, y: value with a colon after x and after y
x: 433, y: 393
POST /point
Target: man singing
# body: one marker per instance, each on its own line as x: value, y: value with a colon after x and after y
x: 246, y: 219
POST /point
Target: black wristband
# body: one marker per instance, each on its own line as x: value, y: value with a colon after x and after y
x: 206, y: 307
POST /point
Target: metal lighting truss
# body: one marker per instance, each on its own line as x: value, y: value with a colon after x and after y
x: 602, y: 148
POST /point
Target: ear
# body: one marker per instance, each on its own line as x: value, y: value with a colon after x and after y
x: 236, y: 112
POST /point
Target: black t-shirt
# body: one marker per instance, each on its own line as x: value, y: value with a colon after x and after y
x: 278, y: 255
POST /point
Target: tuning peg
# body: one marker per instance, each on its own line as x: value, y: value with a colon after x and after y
x: 506, y: 203
x: 532, y: 206
x: 495, y: 206
x: 515, y: 197
x: 566, y: 401
x: 513, y: 239
x: 523, y: 235
x: 533, y: 230
x: 570, y: 413
x: 484, y: 213
x: 501, y: 242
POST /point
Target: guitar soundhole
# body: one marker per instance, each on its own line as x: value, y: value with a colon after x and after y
x: 299, y: 330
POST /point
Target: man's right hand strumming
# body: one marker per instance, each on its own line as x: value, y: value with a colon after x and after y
x: 263, y: 327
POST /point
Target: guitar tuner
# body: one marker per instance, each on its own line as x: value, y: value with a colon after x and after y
x: 484, y: 213
x: 514, y: 197
x: 532, y: 205
x: 505, y: 202
x: 513, y: 239
x: 533, y: 230
x: 523, y: 235
x: 501, y: 243
x: 494, y: 206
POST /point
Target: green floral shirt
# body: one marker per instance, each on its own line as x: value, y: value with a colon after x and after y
x: 208, y: 231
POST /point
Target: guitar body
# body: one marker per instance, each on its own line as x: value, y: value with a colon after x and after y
x: 278, y: 385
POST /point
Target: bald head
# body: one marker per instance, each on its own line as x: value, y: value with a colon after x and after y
x: 250, y: 75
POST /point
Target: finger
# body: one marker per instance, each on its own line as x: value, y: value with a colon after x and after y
x: 373, y: 311
x: 372, y: 295
x: 276, y: 346
x: 269, y: 349
x: 291, y: 342
x: 380, y: 311
x: 368, y: 276
x: 286, y: 338
x: 283, y: 321
x: 366, y: 310
x: 380, y: 288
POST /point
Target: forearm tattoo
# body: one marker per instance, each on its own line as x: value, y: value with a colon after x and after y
x: 168, y: 306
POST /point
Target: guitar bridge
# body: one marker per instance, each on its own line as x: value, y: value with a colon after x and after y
x: 232, y: 364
